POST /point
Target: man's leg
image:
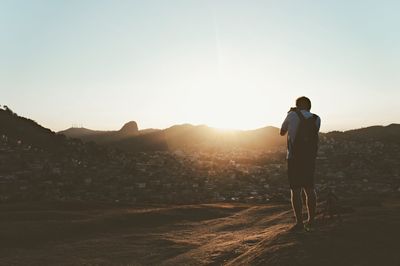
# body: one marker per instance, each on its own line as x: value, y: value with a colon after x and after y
x: 311, y: 203
x: 297, y: 205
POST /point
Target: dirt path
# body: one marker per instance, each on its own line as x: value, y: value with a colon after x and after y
x: 208, y: 234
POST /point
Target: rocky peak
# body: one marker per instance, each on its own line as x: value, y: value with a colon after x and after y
x: 130, y: 128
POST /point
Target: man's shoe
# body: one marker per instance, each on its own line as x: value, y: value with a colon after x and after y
x: 309, y: 227
x: 299, y: 227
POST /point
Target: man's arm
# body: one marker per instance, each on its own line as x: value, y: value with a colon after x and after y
x: 285, y: 126
x: 318, y: 122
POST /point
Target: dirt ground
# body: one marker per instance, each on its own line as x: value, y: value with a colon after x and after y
x: 208, y: 234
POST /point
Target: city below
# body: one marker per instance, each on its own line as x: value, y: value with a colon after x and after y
x: 53, y: 167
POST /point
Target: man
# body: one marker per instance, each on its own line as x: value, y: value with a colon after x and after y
x: 302, y: 143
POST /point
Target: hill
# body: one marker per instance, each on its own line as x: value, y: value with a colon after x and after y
x: 76, y: 233
x: 183, y: 137
x: 129, y: 129
x: 28, y: 131
x: 201, y: 137
x: 98, y: 206
x: 178, y: 137
x: 385, y: 134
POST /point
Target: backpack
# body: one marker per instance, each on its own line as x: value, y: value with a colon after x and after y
x: 306, y: 141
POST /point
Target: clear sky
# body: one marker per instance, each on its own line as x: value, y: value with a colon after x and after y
x: 225, y: 63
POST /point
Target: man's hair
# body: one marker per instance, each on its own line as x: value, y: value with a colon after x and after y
x: 303, y: 103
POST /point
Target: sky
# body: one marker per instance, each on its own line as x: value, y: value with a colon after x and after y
x: 224, y: 63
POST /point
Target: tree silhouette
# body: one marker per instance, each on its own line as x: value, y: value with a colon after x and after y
x: 8, y: 110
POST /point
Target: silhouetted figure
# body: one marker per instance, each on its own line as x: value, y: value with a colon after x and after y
x: 302, y: 142
x: 332, y: 206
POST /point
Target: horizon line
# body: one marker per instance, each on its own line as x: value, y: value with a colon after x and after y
x: 223, y: 129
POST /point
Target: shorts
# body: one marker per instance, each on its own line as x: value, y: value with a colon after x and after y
x: 301, y: 172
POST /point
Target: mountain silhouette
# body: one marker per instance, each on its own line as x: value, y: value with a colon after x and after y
x: 129, y: 129
x: 185, y: 137
x: 385, y: 134
x: 202, y: 137
x: 177, y: 137
x: 28, y: 131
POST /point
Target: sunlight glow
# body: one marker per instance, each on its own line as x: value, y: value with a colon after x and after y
x: 226, y: 64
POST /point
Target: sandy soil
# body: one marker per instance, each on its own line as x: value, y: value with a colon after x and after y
x: 207, y: 234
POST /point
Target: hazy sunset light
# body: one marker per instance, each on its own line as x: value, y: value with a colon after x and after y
x: 200, y: 132
x: 227, y: 64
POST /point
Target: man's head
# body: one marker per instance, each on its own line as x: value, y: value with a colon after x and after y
x: 303, y: 103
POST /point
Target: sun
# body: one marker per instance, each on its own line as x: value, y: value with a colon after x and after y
x: 230, y: 108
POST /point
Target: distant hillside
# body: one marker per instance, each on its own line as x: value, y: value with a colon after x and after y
x: 28, y: 131
x: 186, y: 136
x: 385, y: 134
x: 128, y: 130
x: 197, y: 137
x: 201, y: 137
x: 80, y: 132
